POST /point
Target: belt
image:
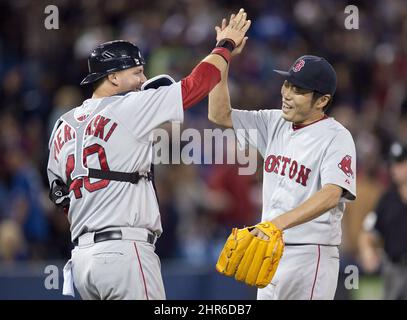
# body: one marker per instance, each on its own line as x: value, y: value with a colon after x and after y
x: 115, y: 235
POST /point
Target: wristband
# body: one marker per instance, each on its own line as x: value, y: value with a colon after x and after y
x: 226, y: 43
x: 224, y: 48
x: 223, y: 52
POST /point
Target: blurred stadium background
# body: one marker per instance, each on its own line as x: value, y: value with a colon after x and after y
x: 40, y: 72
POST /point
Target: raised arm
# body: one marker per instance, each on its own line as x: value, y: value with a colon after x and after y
x: 219, y: 107
x: 207, y: 74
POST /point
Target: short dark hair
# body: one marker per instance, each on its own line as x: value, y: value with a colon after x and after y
x: 316, y: 95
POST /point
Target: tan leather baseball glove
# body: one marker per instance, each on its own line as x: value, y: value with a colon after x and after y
x: 249, y: 258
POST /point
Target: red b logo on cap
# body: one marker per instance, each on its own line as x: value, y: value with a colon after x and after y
x: 298, y: 66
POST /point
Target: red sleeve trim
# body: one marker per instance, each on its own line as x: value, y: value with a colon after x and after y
x: 199, y: 83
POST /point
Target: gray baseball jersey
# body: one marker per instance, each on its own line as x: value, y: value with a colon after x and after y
x: 297, y: 163
x: 118, y: 138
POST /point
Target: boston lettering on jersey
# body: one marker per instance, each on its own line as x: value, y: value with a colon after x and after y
x: 289, y: 167
x: 100, y: 127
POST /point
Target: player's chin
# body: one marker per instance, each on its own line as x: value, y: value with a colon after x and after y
x: 287, y: 116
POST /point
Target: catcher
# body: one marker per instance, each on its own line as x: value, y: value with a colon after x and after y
x: 309, y: 174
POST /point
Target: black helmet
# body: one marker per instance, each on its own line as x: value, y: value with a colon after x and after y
x: 112, y: 56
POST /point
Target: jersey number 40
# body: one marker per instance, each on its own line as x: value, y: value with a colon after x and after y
x: 77, y: 184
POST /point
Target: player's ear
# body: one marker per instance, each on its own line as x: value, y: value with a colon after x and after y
x: 323, y: 101
x: 113, y: 78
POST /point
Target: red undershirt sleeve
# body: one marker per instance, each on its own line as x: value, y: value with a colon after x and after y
x: 199, y: 83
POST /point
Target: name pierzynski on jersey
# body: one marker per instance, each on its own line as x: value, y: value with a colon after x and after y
x: 96, y: 127
x: 289, y: 167
x: 175, y: 145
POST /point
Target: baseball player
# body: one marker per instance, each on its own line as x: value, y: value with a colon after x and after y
x: 100, y: 159
x: 309, y: 174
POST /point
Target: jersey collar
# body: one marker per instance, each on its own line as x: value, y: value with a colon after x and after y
x: 300, y: 126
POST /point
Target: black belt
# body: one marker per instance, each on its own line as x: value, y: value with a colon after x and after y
x: 113, y: 235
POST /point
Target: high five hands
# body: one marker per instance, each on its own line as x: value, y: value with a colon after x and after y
x: 235, y: 30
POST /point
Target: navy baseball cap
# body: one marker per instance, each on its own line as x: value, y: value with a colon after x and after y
x: 312, y: 73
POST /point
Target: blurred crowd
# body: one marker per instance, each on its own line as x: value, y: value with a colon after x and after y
x: 40, y: 72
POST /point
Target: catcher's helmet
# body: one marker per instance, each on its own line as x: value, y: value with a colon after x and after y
x: 112, y: 56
